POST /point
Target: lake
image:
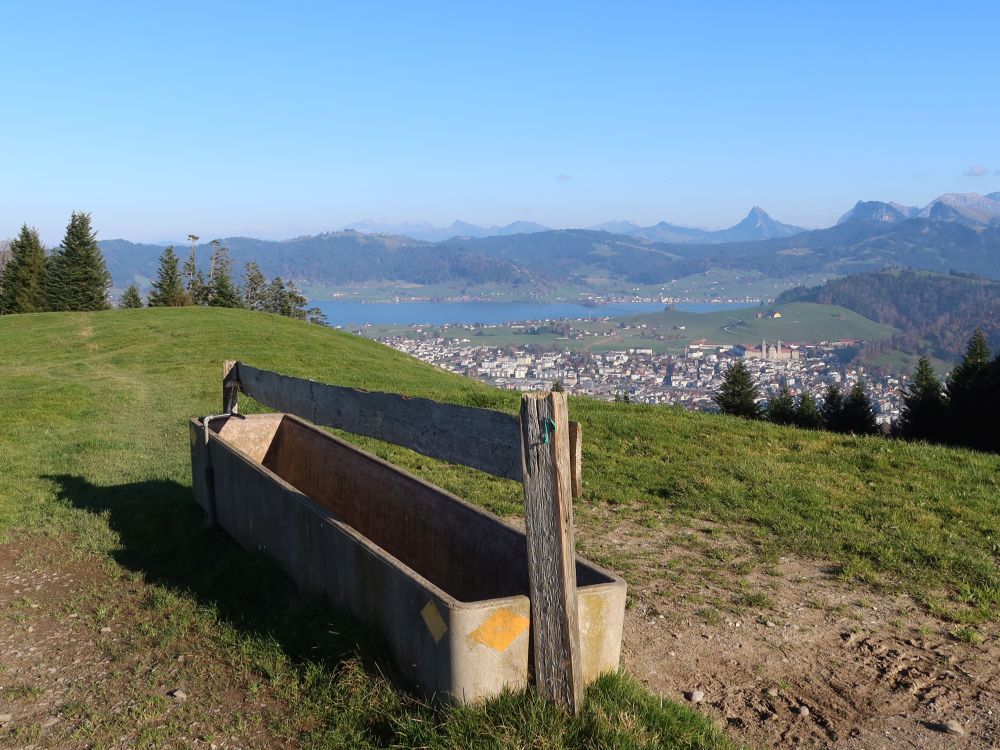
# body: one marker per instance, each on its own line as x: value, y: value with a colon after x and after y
x: 340, y: 313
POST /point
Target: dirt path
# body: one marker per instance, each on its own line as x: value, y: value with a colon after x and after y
x: 874, y: 671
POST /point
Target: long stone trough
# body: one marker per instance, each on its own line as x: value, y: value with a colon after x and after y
x: 444, y: 582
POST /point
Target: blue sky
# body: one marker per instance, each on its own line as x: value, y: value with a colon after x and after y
x: 279, y: 119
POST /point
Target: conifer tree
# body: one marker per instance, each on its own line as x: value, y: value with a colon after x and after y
x: 781, y: 408
x: 254, y: 287
x: 807, y: 414
x: 858, y: 416
x: 738, y: 393
x: 22, y: 283
x: 992, y: 412
x: 168, y: 291
x: 968, y: 395
x: 924, y: 413
x: 130, y: 298
x: 833, y: 409
x: 275, y: 300
x: 76, y: 277
x: 194, y: 280
x: 317, y: 316
x: 557, y: 387
x: 221, y: 292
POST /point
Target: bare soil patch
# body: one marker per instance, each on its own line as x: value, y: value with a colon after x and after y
x: 763, y: 638
x: 90, y: 658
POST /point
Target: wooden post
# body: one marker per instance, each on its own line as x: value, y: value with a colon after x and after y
x: 545, y: 458
x: 576, y: 457
x: 230, y: 387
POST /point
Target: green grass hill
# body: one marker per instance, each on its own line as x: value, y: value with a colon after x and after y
x: 803, y: 322
x: 93, y: 449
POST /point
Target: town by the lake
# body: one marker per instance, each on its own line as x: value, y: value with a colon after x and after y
x: 687, y: 377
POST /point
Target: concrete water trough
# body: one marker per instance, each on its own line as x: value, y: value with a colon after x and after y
x: 444, y: 582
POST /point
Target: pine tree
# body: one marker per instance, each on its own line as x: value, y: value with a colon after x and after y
x: 738, y: 393
x: 992, y: 412
x: 22, y: 284
x: 221, y: 292
x: 254, y: 287
x: 194, y: 280
x: 275, y: 298
x: 130, y: 298
x: 833, y: 409
x: 781, y: 408
x: 557, y: 387
x: 317, y: 316
x: 76, y: 277
x: 924, y: 414
x: 858, y: 415
x: 969, y: 394
x: 807, y: 414
x: 168, y: 291
x: 294, y: 301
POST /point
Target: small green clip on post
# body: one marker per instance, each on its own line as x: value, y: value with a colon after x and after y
x: 548, y: 426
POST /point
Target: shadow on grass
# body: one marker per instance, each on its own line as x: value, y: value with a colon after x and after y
x: 165, y: 537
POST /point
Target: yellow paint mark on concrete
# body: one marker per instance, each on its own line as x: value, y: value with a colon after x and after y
x: 500, y: 629
x: 435, y: 623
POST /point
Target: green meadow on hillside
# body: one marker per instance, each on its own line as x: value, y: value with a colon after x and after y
x: 673, y: 330
x: 801, y: 322
x: 93, y: 444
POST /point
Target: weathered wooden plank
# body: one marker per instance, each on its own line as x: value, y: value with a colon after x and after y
x: 481, y: 438
x: 576, y: 458
x: 230, y: 387
x: 551, y: 556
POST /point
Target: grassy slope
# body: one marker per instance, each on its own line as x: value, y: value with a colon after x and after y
x: 93, y: 439
x: 93, y: 444
x: 800, y: 322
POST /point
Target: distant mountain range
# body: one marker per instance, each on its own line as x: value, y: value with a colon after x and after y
x: 757, y: 225
x: 430, y: 233
x: 332, y: 259
x: 954, y: 232
x: 965, y: 208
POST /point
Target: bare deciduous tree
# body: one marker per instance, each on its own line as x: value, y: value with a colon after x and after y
x: 4, y: 253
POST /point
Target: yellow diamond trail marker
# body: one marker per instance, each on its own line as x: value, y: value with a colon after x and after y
x: 500, y: 630
x: 432, y: 618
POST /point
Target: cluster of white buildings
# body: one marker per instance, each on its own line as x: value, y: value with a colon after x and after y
x: 689, y: 380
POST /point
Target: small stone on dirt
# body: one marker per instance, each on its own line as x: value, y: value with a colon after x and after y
x: 50, y: 722
x: 803, y: 710
x: 953, y: 727
x: 105, y: 629
x: 696, y: 696
x: 5, y: 718
x: 772, y: 692
x: 179, y: 696
x: 769, y: 624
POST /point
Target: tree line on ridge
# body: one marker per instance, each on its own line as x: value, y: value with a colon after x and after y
x: 74, y: 277
x: 963, y: 410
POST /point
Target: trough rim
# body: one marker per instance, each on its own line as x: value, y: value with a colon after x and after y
x: 329, y: 517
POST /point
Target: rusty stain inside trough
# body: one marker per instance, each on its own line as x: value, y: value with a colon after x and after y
x: 445, y: 582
